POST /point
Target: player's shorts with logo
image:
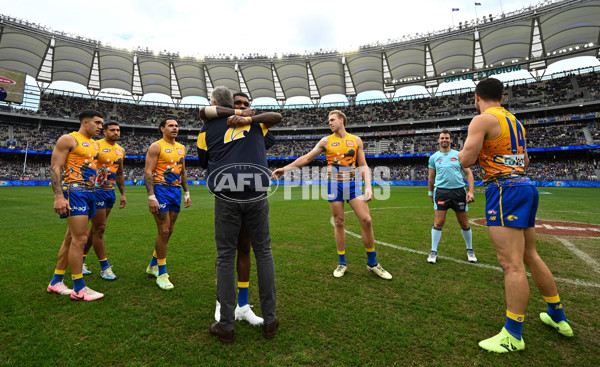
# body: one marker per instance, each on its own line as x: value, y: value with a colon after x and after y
x: 169, y: 198
x: 105, y: 199
x: 511, y: 203
x: 455, y: 199
x: 81, y: 201
x: 342, y: 190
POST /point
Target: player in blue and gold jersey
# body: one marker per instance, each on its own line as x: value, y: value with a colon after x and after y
x: 164, y: 175
x: 343, y: 152
x: 75, y: 155
x: 498, y: 139
x: 109, y: 173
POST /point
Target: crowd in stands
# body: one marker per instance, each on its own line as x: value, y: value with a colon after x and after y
x: 560, y: 90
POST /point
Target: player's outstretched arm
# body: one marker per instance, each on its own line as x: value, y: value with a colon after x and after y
x: 304, y: 160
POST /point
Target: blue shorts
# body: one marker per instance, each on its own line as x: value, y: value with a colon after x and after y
x: 82, y: 202
x: 169, y: 198
x: 511, y: 204
x: 340, y: 191
x: 105, y: 199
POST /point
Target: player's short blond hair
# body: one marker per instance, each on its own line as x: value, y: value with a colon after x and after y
x: 340, y: 115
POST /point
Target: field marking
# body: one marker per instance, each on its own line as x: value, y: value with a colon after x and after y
x: 582, y: 255
x: 580, y: 282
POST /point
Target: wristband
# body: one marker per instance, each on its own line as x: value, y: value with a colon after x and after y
x: 248, y: 119
x: 152, y: 197
x: 186, y: 195
x: 430, y: 193
x: 211, y: 112
x: 238, y: 112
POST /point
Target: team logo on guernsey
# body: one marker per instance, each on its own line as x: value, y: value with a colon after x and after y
x: 85, y: 144
x: 106, y: 150
x: 118, y: 152
x: 336, y: 144
x: 512, y: 217
x: 235, y: 133
x: 168, y: 151
x: 349, y: 143
x: 439, y: 160
x: 453, y: 159
x: 75, y: 185
x: 180, y: 151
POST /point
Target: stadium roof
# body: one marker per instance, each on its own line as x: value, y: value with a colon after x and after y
x: 530, y: 39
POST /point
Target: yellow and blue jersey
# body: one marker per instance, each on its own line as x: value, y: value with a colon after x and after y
x: 80, y: 166
x: 110, y: 158
x: 169, y: 165
x: 504, y: 156
x: 341, y: 157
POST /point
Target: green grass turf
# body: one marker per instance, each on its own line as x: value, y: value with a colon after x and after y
x: 427, y: 315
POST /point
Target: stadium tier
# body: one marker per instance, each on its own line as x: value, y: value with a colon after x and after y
x: 561, y: 116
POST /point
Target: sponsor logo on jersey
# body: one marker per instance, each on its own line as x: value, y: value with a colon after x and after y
x: 106, y: 150
x: 336, y: 144
x: 168, y: 151
x: 453, y: 159
x: 349, y: 143
x: 461, y: 203
x: 99, y: 203
x: 180, y: 151
x: 491, y: 212
x: 75, y: 185
x: 79, y: 208
x: 441, y: 202
x: 512, y: 217
x: 493, y: 218
x: 514, y: 160
x: 85, y: 144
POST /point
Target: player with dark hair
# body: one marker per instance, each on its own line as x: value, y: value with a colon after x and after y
x: 447, y: 190
x: 164, y: 175
x: 232, y: 148
x: 497, y: 138
x: 109, y: 172
x: 243, y: 310
x: 75, y: 154
x: 343, y: 152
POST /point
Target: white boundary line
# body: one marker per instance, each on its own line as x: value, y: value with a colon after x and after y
x: 579, y: 282
x: 582, y: 255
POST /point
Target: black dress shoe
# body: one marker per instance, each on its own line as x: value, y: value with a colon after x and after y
x: 269, y: 330
x: 225, y: 337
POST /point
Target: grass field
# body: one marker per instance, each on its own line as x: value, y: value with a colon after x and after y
x: 427, y: 315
